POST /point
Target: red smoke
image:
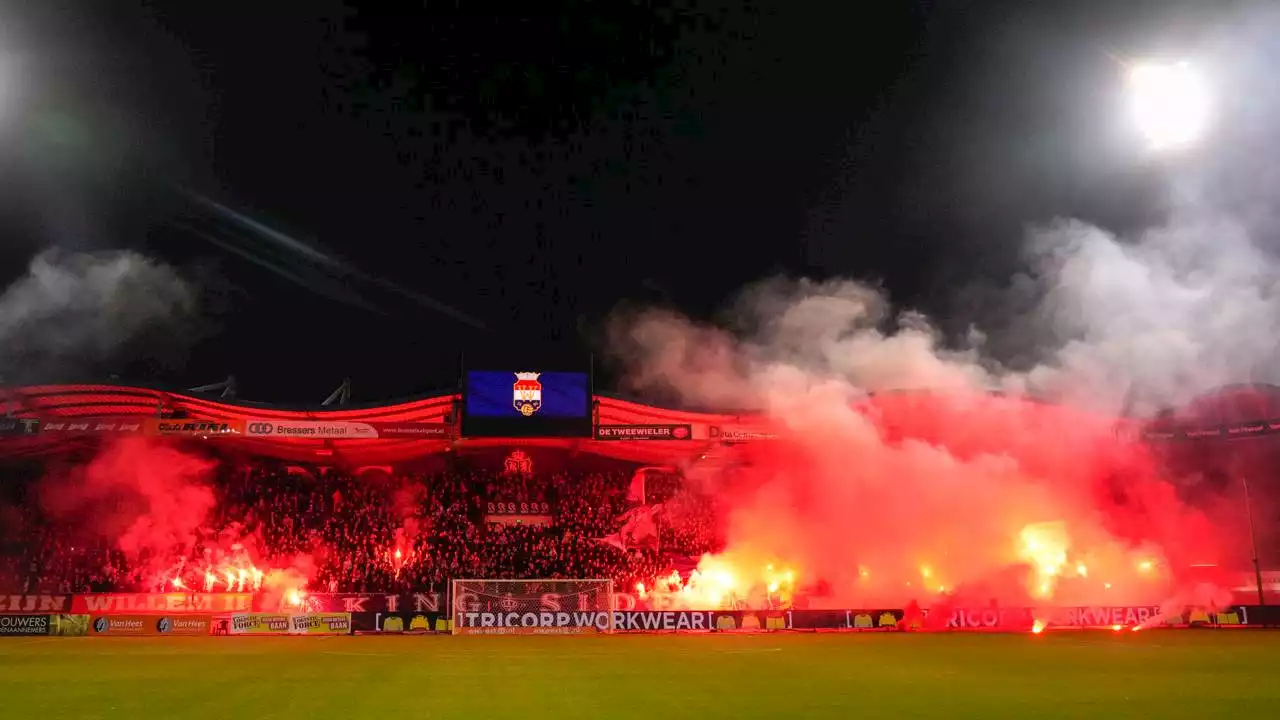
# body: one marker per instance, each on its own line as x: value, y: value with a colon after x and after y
x: 921, y: 496
x: 154, y: 503
x: 150, y: 498
x: 946, y: 493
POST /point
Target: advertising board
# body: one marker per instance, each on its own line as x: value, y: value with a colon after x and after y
x: 37, y: 625
x: 283, y: 624
x: 150, y: 625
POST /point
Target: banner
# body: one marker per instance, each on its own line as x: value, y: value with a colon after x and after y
x: 515, y: 508
x: 150, y: 625
x: 431, y: 622
x: 738, y: 434
x: 192, y: 428
x: 644, y: 432
x: 310, y: 430
x: 283, y: 624
x: 429, y: 602
x: 1233, y: 431
x: 664, y: 621
x: 320, y: 624
x: 158, y: 603
x: 59, y: 625
x: 531, y: 623
x: 103, y: 426
x: 536, y: 520
x: 10, y: 427
x: 413, y: 430
x: 343, y: 430
x: 624, y: 621
x: 35, y: 603
x: 23, y: 625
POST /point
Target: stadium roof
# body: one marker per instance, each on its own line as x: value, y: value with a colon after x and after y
x: 62, y: 404
x: 105, y: 404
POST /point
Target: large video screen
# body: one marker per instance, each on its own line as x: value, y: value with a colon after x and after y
x: 526, y: 402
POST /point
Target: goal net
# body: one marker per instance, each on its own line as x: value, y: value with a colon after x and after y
x: 532, y: 607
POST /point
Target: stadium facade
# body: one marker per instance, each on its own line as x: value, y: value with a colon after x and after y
x: 55, y: 419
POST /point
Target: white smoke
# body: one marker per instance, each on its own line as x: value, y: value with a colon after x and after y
x: 1176, y: 312
x: 72, y: 312
x: 1107, y: 322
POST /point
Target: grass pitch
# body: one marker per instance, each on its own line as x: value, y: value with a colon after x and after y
x: 1155, y: 674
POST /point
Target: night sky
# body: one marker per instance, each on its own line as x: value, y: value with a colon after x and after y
x: 497, y: 181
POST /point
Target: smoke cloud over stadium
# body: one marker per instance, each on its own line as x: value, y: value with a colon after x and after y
x: 72, y: 312
x: 895, y: 497
x: 1024, y: 496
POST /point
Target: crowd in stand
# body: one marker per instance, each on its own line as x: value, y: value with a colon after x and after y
x: 378, y: 532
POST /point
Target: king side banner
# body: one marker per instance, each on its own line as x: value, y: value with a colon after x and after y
x: 158, y: 603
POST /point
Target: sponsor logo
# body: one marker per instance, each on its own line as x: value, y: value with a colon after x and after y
x: 1077, y: 617
x: 424, y: 430
x: 319, y: 623
x: 99, y: 426
x: 311, y: 429
x: 527, y: 393
x: 193, y: 428
x: 731, y: 434
x: 559, y: 622
x: 122, y: 625
x: 285, y: 624
x: 644, y: 432
x: 260, y: 623
x: 24, y: 624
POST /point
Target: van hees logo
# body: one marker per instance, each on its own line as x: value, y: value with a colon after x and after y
x: 167, y: 625
x: 527, y: 393
x: 107, y: 624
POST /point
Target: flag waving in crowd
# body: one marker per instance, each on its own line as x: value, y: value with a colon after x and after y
x: 639, y: 529
x: 635, y: 492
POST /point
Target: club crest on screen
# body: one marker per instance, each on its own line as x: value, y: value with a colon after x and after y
x: 527, y: 393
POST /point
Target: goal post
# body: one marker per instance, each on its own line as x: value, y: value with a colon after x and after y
x: 532, y: 607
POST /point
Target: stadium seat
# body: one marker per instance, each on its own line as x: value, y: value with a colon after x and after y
x: 862, y: 621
